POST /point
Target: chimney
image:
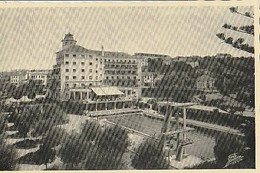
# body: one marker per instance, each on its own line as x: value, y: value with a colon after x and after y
x: 102, y: 49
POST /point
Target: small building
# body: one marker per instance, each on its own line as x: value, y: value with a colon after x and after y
x: 205, y: 83
x: 18, y: 77
x: 148, y: 80
x: 39, y: 75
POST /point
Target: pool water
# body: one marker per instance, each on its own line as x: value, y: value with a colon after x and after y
x: 203, y: 146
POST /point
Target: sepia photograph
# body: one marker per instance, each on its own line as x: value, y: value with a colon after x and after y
x: 127, y: 87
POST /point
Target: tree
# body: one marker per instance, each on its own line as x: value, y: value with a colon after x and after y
x: 3, y: 124
x: 249, y: 29
x: 31, y: 95
x: 90, y: 131
x: 46, y: 154
x: 99, y: 159
x: 95, y: 148
x: 24, y: 122
x: 227, y: 144
x: 221, y: 36
x: 247, y: 14
x: 150, y: 155
x: 233, y: 9
x: 114, y: 137
x: 73, y: 150
x: 229, y: 40
x: 8, y: 157
x: 54, y: 137
x: 240, y: 40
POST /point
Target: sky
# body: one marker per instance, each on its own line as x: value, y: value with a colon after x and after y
x: 31, y: 36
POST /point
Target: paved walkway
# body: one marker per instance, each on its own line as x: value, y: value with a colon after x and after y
x: 189, y: 161
x: 23, y: 152
x: 74, y: 124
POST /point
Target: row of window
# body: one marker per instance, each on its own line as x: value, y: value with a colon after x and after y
x: 82, y: 77
x: 109, y: 60
x: 36, y: 76
x: 120, y: 72
x: 121, y: 66
x: 82, y: 70
x: 82, y: 56
x: 82, y: 63
x: 121, y: 83
x: 118, y: 77
x: 75, y: 85
x: 106, y: 60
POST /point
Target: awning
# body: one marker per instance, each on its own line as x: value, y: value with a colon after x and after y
x: 104, y: 91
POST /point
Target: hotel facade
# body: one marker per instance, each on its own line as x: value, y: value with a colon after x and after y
x: 80, y: 73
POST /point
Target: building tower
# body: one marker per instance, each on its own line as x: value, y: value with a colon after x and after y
x: 68, y: 41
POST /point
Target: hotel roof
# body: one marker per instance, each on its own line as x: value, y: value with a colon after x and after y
x: 81, y: 49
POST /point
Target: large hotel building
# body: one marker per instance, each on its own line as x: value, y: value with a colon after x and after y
x: 82, y: 74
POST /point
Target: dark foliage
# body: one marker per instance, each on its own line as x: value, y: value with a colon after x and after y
x: 26, y: 144
x: 7, y: 157
x: 150, y: 155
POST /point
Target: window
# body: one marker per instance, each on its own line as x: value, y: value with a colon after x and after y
x: 90, y: 77
x: 100, y: 68
x: 90, y: 56
x: 74, y: 63
x: 83, y: 56
x: 74, y: 70
x: 74, y: 77
x: 96, y: 59
x: 82, y: 63
x: 128, y: 77
x: 96, y: 77
x: 90, y: 70
x: 83, y: 77
x: 96, y: 71
x: 67, y: 55
x: 67, y: 62
x: 82, y: 70
x: 67, y: 77
x: 107, y: 77
x: 75, y: 85
x: 74, y: 55
x: 67, y: 70
x: 90, y: 63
